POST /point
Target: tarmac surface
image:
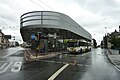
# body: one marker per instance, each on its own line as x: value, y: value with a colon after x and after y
x: 92, y: 65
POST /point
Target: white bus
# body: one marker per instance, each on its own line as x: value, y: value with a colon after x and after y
x: 77, y: 46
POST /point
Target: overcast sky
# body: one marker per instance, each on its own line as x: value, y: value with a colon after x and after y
x: 92, y: 15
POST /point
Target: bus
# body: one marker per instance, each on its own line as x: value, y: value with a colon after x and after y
x: 78, y: 46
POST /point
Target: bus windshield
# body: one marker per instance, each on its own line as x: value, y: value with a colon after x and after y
x: 76, y: 44
x: 72, y: 44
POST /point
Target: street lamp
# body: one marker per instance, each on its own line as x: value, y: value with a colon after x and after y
x: 94, y: 36
x: 106, y: 30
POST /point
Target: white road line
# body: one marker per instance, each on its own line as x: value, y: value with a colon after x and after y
x: 87, y: 65
x: 117, y: 68
x: 58, y: 72
x: 16, y: 67
x: 52, y: 61
x: 3, y: 65
x: 64, y: 62
x: 84, y: 54
x: 80, y: 65
x: 58, y: 62
x: 6, y: 68
x: 11, y: 53
x: 26, y: 58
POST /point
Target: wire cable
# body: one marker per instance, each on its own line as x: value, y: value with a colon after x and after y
x: 37, y: 4
x: 46, y: 4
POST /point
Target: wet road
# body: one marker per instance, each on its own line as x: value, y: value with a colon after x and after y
x: 96, y: 67
x: 89, y: 66
x: 9, y: 51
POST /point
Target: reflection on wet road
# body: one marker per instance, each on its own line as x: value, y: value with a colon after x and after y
x: 99, y: 68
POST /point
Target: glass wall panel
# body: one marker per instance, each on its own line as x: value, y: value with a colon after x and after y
x: 35, y: 22
x: 51, y: 17
x: 50, y: 13
x: 32, y: 17
x: 51, y: 22
x: 31, y: 14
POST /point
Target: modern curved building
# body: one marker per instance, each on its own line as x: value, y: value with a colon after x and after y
x: 49, y: 22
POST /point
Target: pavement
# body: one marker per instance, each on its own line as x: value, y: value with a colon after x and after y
x: 114, y: 57
x: 30, y: 55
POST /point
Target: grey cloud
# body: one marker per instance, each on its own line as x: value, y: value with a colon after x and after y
x: 101, y: 13
x: 7, y: 15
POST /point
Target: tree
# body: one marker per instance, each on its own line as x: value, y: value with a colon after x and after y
x: 94, y: 43
x: 115, y: 42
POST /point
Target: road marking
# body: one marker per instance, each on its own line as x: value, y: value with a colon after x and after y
x: 9, y: 54
x: 117, y: 68
x: 16, y: 67
x: 12, y: 53
x: 52, y: 61
x: 70, y: 63
x: 88, y: 65
x: 84, y: 54
x: 3, y: 65
x: 81, y: 65
x: 6, y: 68
x: 58, y: 72
x: 58, y: 62
x: 25, y: 58
x: 64, y: 62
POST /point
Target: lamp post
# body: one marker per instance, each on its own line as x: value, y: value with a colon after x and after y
x: 94, y: 36
x: 106, y: 30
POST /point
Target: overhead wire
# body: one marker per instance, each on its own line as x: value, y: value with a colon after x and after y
x: 4, y: 22
x: 12, y: 26
x: 37, y: 4
x: 46, y: 4
x: 12, y: 5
